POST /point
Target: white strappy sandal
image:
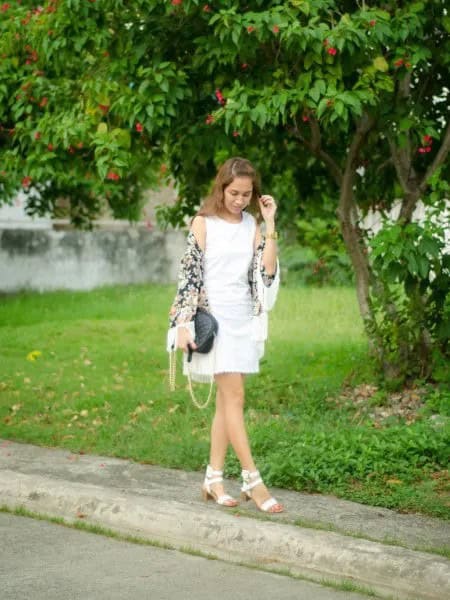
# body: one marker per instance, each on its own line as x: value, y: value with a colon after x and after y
x: 212, y: 477
x: 251, y: 479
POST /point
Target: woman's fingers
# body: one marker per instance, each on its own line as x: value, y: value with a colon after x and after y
x: 267, y: 202
x: 185, y: 340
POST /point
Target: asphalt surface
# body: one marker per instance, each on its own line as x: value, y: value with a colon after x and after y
x: 43, y: 561
x: 318, y: 537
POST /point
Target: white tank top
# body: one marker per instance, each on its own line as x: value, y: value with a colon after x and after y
x: 228, y: 256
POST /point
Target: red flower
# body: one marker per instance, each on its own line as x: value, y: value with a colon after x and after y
x: 50, y: 147
x: 209, y: 119
x: 4, y: 7
x: 399, y: 62
x: 427, y: 139
x: 44, y: 101
x: 104, y: 108
x: 139, y: 127
x: 236, y: 134
x: 220, y: 99
x: 275, y: 29
x: 37, y: 135
x: 305, y: 118
x: 428, y: 149
x: 176, y: 2
x: 112, y: 176
x: 244, y: 66
x: 207, y: 8
x: 373, y: 22
x: 331, y: 51
x: 26, y: 181
x: 250, y: 29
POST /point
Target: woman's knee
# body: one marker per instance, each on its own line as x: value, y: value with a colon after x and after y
x: 230, y: 391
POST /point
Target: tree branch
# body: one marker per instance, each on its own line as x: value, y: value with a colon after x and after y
x: 348, y: 217
x: 314, y: 145
x: 384, y: 164
x: 439, y: 159
x: 400, y: 164
x: 365, y: 124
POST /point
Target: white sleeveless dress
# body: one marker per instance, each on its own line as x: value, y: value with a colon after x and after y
x: 227, y: 259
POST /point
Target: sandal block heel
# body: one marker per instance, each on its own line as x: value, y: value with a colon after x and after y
x: 250, y: 480
x: 212, y: 477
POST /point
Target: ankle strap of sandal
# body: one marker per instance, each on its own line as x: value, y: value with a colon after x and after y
x: 251, y: 479
x: 213, y: 476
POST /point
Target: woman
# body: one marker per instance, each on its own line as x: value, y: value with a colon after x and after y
x: 231, y: 270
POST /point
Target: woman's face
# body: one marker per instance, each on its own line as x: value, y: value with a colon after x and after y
x: 237, y: 195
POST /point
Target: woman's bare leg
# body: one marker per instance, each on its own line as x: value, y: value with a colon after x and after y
x: 230, y: 386
x: 219, y: 441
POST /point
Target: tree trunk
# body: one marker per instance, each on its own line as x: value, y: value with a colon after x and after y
x: 355, y: 247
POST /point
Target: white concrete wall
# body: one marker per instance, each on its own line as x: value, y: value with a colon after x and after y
x: 373, y: 220
x: 47, y: 260
x: 13, y: 216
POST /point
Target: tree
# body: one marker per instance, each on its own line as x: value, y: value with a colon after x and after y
x: 326, y: 96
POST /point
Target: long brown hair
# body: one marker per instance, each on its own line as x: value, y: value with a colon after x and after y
x: 233, y: 167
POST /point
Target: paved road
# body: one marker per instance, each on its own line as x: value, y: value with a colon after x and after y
x: 43, y: 561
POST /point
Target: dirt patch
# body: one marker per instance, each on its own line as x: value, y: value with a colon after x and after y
x: 378, y: 405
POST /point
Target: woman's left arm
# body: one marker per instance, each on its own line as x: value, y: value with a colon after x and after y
x: 268, y: 209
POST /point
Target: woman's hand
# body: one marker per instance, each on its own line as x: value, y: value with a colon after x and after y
x: 184, y: 339
x: 268, y: 208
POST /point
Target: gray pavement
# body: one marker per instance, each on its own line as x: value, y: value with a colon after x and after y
x: 44, y: 561
x: 164, y: 505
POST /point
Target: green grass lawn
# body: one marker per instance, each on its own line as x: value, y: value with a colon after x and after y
x: 100, y: 385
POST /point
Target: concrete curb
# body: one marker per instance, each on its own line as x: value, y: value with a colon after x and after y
x: 389, y: 570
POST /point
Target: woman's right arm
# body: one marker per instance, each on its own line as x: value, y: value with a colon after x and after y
x: 190, y: 282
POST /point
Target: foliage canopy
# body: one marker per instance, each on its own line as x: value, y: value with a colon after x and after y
x: 340, y: 104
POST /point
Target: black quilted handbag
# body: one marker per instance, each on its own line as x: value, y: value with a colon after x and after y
x: 206, y: 328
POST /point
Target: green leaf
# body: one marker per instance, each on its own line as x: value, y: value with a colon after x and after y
x: 315, y: 94
x: 424, y: 266
x: 413, y: 267
x: 430, y: 246
x: 339, y: 108
x: 380, y: 64
x: 309, y: 59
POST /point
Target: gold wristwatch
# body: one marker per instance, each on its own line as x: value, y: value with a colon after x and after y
x: 273, y: 235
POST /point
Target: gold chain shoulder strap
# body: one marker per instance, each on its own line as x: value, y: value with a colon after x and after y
x: 172, y: 377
